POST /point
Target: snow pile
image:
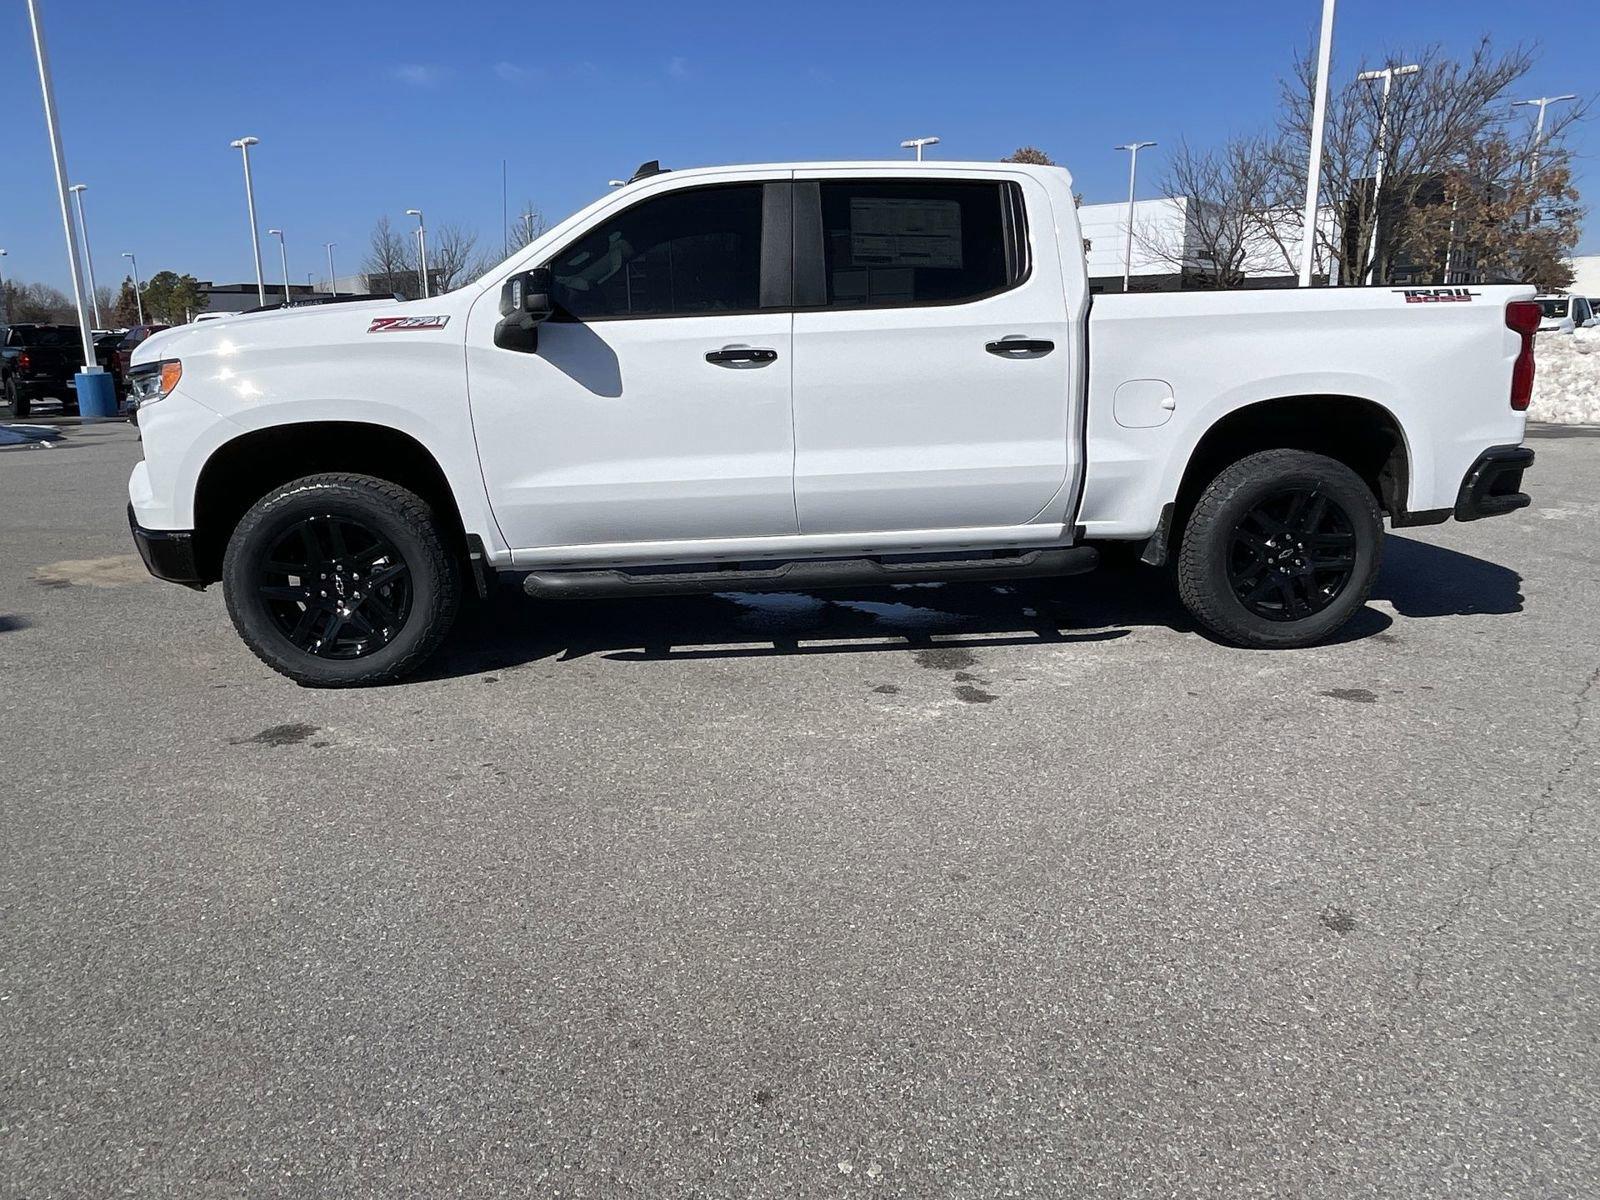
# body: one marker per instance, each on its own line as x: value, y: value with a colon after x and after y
x: 1566, y: 378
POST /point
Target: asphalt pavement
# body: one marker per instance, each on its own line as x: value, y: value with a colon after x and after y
x: 934, y: 891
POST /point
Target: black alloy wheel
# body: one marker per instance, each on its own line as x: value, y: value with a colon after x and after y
x: 335, y: 587
x: 1292, y: 554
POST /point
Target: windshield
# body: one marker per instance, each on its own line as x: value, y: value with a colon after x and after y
x: 1554, y: 308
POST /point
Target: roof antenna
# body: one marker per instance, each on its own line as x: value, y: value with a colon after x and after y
x: 653, y: 167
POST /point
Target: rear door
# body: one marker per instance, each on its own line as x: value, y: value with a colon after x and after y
x: 931, y: 352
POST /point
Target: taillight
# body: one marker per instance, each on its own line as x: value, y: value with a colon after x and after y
x: 24, y: 363
x: 1523, y: 317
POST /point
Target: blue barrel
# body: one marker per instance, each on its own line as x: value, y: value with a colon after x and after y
x: 97, y: 395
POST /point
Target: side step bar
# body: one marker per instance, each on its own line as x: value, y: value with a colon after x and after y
x: 805, y: 576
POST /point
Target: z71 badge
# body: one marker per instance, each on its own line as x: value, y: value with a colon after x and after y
x: 1437, y: 295
x: 405, y: 324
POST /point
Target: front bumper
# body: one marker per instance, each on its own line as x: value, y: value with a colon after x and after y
x: 1494, y: 484
x: 167, y: 553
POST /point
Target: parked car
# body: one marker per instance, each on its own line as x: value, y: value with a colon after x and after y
x: 131, y: 342
x: 1563, y: 314
x: 39, y: 360
x: 796, y: 377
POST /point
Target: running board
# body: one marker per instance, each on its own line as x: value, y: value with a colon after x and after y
x: 805, y: 576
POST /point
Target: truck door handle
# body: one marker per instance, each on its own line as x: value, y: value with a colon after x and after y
x: 741, y: 354
x: 1006, y: 347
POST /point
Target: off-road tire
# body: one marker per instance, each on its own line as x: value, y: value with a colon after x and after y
x: 398, y: 515
x: 16, y: 400
x: 1204, y: 581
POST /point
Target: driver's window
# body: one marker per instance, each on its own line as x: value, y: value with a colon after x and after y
x: 687, y: 253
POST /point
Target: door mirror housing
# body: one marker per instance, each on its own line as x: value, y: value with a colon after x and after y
x: 525, y: 303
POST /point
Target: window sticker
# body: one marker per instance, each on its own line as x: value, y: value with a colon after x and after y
x: 905, y: 233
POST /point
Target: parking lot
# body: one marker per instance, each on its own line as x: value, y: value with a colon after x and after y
x: 948, y: 891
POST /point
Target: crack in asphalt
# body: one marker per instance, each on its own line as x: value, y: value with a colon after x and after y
x: 1545, y: 801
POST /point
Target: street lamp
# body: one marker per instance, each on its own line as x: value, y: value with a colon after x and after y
x: 242, y: 145
x: 1543, y: 102
x: 283, y: 259
x: 97, y: 395
x: 5, y: 307
x: 1319, y: 112
x: 1133, y: 167
x: 917, y: 144
x: 77, y: 190
x: 422, y: 247
x: 138, y: 288
x: 333, y: 280
x: 1388, y: 75
x: 616, y: 182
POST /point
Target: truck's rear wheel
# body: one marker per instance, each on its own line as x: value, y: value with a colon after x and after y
x: 15, y: 398
x: 1281, y: 550
x: 341, y: 581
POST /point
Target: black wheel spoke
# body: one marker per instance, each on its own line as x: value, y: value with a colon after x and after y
x: 1291, y: 553
x: 335, y: 587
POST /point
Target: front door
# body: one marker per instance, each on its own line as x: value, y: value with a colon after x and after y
x: 932, y: 354
x: 656, y: 407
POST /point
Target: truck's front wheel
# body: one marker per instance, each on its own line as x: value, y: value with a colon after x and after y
x: 341, y: 581
x: 1281, y: 550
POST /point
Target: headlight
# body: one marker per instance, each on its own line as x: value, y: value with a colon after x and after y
x: 149, y: 382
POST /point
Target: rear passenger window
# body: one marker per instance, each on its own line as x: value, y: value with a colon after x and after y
x: 894, y: 244
x: 684, y: 254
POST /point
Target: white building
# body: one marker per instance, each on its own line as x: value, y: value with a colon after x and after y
x: 1167, y: 255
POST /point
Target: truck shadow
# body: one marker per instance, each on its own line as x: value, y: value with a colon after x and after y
x: 509, y: 630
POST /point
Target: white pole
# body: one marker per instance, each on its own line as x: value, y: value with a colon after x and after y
x: 283, y: 260
x: 53, y: 127
x: 917, y: 144
x: 333, y: 280
x: 77, y: 190
x: 422, y: 248
x: 5, y: 307
x: 1133, y: 168
x: 243, y: 146
x: 1319, y: 112
x: 1543, y: 102
x: 138, y: 288
x: 1388, y: 75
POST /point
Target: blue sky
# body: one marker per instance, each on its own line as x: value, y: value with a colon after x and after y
x: 368, y: 108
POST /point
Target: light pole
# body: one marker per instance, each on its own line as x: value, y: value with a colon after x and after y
x: 1388, y: 75
x: 97, y: 395
x: 242, y: 145
x: 422, y: 247
x: 77, y: 190
x: 5, y: 307
x: 333, y: 280
x: 1133, y: 167
x: 1319, y: 112
x: 283, y: 259
x: 917, y: 144
x: 138, y: 288
x: 1543, y: 102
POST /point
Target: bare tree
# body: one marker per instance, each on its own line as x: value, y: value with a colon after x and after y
x: 453, y: 257
x: 529, y: 224
x: 391, y: 262
x: 1234, y: 218
x: 1440, y: 122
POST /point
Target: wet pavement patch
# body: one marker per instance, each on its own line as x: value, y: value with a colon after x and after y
x: 946, y: 658
x: 279, y: 735
x: 1354, y: 695
x: 887, y: 689
x: 1337, y: 919
x: 974, y: 695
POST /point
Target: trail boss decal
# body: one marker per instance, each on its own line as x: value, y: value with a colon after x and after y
x: 405, y: 324
x: 1436, y: 295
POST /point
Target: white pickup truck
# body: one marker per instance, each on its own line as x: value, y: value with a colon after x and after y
x: 813, y: 375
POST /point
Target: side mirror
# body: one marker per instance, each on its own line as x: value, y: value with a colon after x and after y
x: 525, y: 303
